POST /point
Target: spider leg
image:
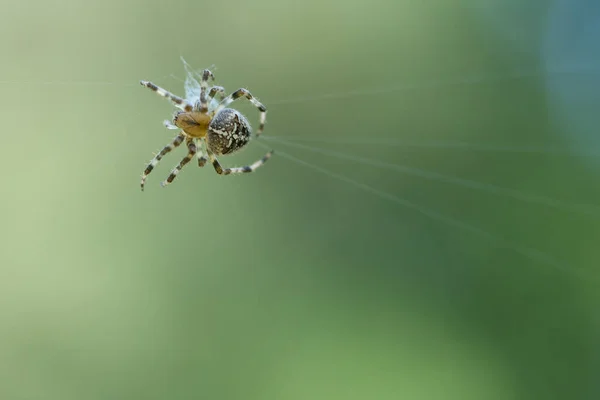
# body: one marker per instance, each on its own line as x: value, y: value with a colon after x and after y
x: 191, y: 152
x: 169, y: 125
x: 176, y: 142
x: 206, y: 75
x: 176, y: 100
x: 201, y: 157
x: 213, y: 92
x: 236, y: 170
x: 245, y: 93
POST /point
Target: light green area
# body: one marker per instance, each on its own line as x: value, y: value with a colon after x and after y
x: 287, y: 284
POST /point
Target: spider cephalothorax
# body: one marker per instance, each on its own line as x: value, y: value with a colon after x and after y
x: 205, y: 122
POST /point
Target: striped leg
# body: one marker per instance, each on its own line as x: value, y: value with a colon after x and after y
x: 237, y: 170
x: 176, y: 142
x: 216, y: 90
x: 176, y: 100
x: 244, y: 93
x: 191, y: 153
x: 169, y: 125
x: 201, y: 157
x: 206, y: 75
x: 219, y: 93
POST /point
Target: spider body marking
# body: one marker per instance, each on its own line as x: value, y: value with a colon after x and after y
x: 205, y: 122
x: 228, y: 132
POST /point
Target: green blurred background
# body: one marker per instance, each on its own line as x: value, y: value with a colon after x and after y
x: 290, y: 283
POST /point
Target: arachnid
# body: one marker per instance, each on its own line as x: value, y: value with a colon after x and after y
x: 205, y: 122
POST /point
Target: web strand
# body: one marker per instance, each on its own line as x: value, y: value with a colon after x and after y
x: 475, y: 79
x: 444, y: 145
x: 68, y: 83
x: 530, y: 253
x: 591, y: 210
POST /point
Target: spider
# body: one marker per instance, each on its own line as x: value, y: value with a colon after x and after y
x: 204, y: 120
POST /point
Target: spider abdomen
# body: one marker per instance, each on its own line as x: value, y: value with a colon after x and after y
x: 228, y: 132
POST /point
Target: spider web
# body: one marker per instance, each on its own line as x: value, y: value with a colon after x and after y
x: 308, y: 144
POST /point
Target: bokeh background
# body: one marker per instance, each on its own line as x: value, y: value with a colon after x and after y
x: 427, y: 229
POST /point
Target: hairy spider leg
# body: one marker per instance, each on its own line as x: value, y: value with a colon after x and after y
x: 192, y: 149
x: 245, y: 93
x: 202, y: 159
x: 176, y: 100
x: 220, y: 90
x: 169, y: 125
x: 175, y: 143
x: 206, y: 75
x: 236, y: 170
